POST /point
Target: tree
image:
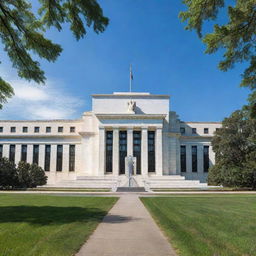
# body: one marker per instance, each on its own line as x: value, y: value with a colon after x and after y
x: 8, y: 174
x: 23, y: 32
x: 235, y: 147
x: 237, y: 36
x: 30, y: 175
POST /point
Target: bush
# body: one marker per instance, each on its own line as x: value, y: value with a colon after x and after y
x: 30, y: 175
x: 24, y: 176
x: 8, y: 174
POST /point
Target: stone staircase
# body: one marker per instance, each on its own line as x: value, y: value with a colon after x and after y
x: 172, y: 181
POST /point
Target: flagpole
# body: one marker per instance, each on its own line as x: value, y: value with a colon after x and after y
x: 130, y: 77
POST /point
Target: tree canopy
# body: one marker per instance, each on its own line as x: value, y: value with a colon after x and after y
x: 235, y: 147
x: 237, y: 36
x: 22, y: 33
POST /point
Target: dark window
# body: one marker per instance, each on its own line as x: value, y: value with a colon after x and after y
x: 182, y: 130
x: 72, y: 129
x: 206, y: 158
x: 1, y: 129
x: 36, y: 129
x: 151, y: 151
x: 48, y: 129
x: 109, y: 150
x: 206, y: 130
x: 25, y: 129
x: 35, y: 154
x: 72, y: 155
x: 13, y: 129
x: 12, y: 153
x: 1, y: 151
x: 193, y: 130
x: 217, y: 129
x: 194, y: 158
x: 60, y: 129
x: 137, y: 150
x: 183, y: 165
x: 47, y: 158
x: 59, y: 158
x: 23, y: 153
x: 122, y: 151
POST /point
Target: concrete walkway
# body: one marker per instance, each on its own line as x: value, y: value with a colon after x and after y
x: 127, y: 230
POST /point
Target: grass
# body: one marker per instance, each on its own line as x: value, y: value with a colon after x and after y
x: 48, y: 225
x: 207, y: 225
x: 71, y: 189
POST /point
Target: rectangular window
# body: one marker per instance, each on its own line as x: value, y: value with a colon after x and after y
x: 151, y: 151
x: 60, y: 129
x: 36, y: 129
x: 122, y: 151
x: 12, y: 153
x: 182, y: 130
x: 35, y: 154
x: 72, y: 129
x: 137, y: 149
x: 24, y: 129
x: 59, y: 158
x: 193, y: 130
x: 206, y: 158
x: 1, y: 151
x: 109, y: 150
x: 183, y: 165
x: 47, y: 158
x: 48, y: 129
x: 206, y: 130
x: 1, y: 129
x: 13, y: 129
x: 194, y: 158
x: 23, y: 153
x: 72, y: 155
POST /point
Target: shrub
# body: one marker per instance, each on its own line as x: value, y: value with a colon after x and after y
x: 8, y: 174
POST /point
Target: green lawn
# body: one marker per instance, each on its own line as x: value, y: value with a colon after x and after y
x: 48, y: 225
x: 207, y: 225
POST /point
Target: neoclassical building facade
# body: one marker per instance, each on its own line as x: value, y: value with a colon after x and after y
x: 92, y: 151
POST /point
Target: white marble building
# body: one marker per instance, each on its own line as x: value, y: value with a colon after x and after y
x: 91, y: 151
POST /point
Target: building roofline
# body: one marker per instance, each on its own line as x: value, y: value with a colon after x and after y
x: 185, y: 122
x: 133, y: 94
x: 42, y: 120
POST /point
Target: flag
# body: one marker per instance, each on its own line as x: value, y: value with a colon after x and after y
x: 131, y: 75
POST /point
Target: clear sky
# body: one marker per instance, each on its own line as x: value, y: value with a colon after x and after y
x: 166, y: 59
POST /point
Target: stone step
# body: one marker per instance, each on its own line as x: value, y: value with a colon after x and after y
x: 130, y: 189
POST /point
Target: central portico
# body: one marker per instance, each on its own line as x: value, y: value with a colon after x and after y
x: 129, y: 126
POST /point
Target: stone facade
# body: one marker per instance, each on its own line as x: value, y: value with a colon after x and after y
x: 119, y: 125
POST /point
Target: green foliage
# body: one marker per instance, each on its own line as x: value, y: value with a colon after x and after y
x: 30, y: 175
x: 236, y: 36
x: 24, y: 176
x: 22, y: 32
x: 8, y: 174
x: 235, y: 148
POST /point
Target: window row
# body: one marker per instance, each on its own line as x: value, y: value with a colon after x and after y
x: 48, y: 129
x: 183, y: 158
x: 47, y: 156
x: 194, y: 130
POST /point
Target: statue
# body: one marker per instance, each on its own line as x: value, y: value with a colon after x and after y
x: 131, y: 107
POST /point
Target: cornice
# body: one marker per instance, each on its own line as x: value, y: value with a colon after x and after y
x: 130, y: 116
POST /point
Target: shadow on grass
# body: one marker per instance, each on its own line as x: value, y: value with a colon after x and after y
x: 49, y: 215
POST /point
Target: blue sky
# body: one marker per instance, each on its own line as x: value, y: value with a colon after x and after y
x: 166, y: 59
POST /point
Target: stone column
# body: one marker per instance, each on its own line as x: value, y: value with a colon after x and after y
x: 115, y: 152
x: 17, y: 153
x: 129, y: 142
x: 144, y: 151
x: 6, y: 148
x: 30, y: 153
x: 102, y: 151
x: 65, y: 158
x: 41, y: 155
x: 53, y: 159
x: 173, y: 154
x: 200, y: 158
x: 159, y: 151
x: 189, y: 158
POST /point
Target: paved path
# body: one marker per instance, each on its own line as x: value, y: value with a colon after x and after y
x: 127, y: 230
